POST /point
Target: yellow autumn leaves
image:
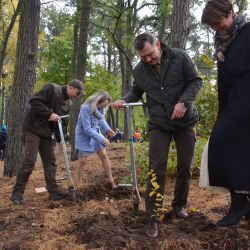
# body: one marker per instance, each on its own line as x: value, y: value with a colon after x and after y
x: 158, y: 196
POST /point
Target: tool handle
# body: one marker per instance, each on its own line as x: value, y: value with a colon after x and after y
x: 64, y: 116
x: 132, y: 104
x: 66, y: 161
x: 61, y: 117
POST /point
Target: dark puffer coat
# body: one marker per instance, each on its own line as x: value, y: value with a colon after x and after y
x: 229, y: 146
x: 179, y: 82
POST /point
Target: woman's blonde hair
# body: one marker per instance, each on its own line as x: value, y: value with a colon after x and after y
x: 96, y: 98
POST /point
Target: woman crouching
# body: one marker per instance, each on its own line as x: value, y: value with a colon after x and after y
x: 88, y: 137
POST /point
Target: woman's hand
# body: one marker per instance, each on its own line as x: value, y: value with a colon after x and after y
x: 105, y: 142
x: 110, y: 133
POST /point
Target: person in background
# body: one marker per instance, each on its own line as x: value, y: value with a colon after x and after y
x: 118, y: 137
x: 171, y: 82
x: 229, y: 150
x: 3, y: 140
x: 136, y: 137
x: 46, y: 107
x: 88, y: 136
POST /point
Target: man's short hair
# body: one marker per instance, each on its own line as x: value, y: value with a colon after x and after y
x: 143, y: 38
x: 78, y: 85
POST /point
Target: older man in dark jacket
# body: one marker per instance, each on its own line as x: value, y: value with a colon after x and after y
x: 171, y: 82
x: 46, y: 107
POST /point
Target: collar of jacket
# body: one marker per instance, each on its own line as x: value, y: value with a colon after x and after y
x: 64, y: 90
x: 167, y: 52
x: 166, y: 56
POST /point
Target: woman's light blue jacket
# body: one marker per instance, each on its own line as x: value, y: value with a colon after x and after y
x: 88, y: 137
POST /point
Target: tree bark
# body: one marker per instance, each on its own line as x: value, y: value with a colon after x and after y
x: 117, y: 118
x: 111, y: 118
x: 75, y: 47
x: 109, y: 56
x: 23, y: 84
x: 179, y: 24
x: 80, y: 70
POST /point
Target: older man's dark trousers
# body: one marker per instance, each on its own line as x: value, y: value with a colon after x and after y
x: 159, y: 143
x: 32, y: 145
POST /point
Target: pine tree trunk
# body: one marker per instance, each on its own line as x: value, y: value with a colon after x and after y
x: 109, y: 56
x: 111, y: 118
x: 80, y: 70
x: 124, y: 88
x: 75, y: 47
x: 117, y: 118
x: 23, y: 84
x: 179, y: 24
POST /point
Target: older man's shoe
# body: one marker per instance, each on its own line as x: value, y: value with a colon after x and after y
x: 181, y: 212
x: 17, y: 198
x: 152, y: 229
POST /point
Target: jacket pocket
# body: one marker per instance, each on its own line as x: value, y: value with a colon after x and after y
x: 92, y: 144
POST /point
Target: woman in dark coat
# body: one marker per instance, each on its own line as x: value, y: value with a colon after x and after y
x: 229, y: 145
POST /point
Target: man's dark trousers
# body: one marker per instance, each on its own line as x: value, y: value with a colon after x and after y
x: 159, y: 143
x: 32, y: 145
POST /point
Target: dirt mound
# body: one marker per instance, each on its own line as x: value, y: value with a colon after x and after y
x: 108, y: 231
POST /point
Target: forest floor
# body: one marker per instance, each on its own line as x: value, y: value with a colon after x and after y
x: 105, y: 219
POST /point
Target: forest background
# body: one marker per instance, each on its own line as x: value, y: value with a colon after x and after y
x: 56, y: 41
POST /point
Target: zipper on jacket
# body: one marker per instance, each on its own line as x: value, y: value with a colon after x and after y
x: 162, y: 89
